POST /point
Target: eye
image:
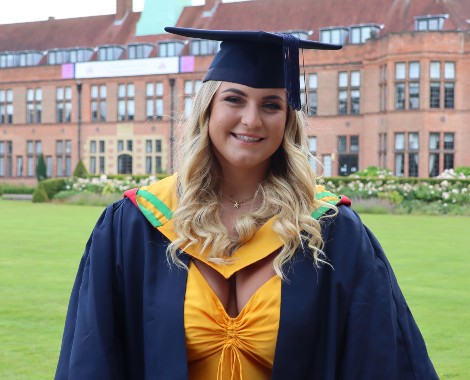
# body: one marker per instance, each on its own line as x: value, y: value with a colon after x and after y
x: 233, y: 99
x: 271, y: 106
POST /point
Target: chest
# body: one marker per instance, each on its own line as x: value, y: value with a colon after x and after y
x: 235, y: 292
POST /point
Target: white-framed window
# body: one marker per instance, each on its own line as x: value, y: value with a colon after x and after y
x: 430, y: 22
x: 126, y: 103
x: 190, y: 90
x: 154, y: 100
x: 170, y: 49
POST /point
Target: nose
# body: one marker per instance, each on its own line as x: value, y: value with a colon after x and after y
x: 251, y: 116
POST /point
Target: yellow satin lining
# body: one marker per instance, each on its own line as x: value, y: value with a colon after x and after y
x: 221, y: 347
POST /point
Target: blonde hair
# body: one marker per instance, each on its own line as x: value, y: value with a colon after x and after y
x: 287, y: 193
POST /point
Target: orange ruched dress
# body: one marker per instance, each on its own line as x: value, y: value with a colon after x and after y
x: 221, y: 347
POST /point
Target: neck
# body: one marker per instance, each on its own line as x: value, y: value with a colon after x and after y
x: 240, y: 185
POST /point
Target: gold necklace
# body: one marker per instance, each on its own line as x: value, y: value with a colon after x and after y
x: 236, y: 204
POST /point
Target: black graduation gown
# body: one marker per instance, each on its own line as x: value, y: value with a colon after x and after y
x: 125, y: 316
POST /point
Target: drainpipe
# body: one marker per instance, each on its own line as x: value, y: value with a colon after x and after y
x: 172, y: 122
x: 79, y: 122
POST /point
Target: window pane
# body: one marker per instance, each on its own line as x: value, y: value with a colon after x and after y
x: 449, y: 95
x: 325, y: 36
x: 435, y: 70
x: 355, y: 35
x: 413, y: 141
x: 414, y: 96
x: 400, y: 96
x: 148, y: 146
x: 343, y: 79
x: 448, y: 161
x: 94, y: 92
x: 188, y: 87
x: 399, y: 141
x: 342, y: 102
x: 122, y: 90
x: 435, y: 95
x: 130, y: 90
x: 103, y: 91
x: 448, y: 141
x: 327, y: 167
x: 399, y: 165
x: 159, y: 108
x: 341, y: 144
x: 312, y: 144
x: 149, y: 107
x: 434, y: 141
x: 336, y: 37
x: 414, y: 70
x: 413, y: 161
x: 422, y: 25
x: 355, y: 78
x: 400, y: 71
x: 449, y: 70
x: 149, y: 89
x: 354, y: 144
x: 433, y: 165
x: 159, y: 88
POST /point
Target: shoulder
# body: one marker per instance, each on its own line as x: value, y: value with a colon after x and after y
x: 156, y: 201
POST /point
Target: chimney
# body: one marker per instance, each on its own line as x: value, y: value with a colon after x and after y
x: 123, y: 8
x: 210, y: 7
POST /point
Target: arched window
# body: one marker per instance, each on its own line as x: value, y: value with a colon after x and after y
x: 125, y: 164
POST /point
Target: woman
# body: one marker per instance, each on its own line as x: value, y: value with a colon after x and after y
x: 239, y: 267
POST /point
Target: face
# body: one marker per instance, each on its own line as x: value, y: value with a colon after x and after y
x: 246, y: 126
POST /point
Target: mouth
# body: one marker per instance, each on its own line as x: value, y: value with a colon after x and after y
x: 247, y: 139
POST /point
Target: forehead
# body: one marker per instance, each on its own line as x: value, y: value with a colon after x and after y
x: 248, y: 91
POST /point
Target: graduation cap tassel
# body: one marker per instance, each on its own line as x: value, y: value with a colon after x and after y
x: 291, y: 69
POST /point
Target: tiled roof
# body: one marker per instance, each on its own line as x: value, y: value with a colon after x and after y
x: 64, y: 33
x: 284, y: 15
x: 270, y: 15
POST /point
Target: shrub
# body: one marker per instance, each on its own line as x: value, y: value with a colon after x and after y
x: 41, y: 173
x: 80, y: 170
x: 465, y: 170
x: 53, y: 186
x: 40, y: 194
x: 6, y: 188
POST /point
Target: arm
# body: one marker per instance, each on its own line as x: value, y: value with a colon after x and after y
x: 92, y: 344
x: 382, y: 340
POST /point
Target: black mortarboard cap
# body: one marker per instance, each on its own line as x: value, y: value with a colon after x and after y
x: 256, y: 58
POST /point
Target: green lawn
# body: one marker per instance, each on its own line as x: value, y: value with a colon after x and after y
x: 41, y: 245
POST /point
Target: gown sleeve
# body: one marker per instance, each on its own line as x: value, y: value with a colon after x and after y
x: 92, y: 343
x: 381, y: 339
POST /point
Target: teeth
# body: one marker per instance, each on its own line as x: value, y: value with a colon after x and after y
x: 247, y: 139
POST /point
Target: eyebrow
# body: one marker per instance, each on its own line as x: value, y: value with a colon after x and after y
x: 240, y: 92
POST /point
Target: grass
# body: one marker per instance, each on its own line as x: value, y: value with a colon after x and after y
x: 41, y: 245
x: 430, y: 257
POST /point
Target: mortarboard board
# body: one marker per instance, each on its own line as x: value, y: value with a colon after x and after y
x: 256, y: 58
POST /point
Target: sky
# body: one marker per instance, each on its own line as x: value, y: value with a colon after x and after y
x: 14, y: 11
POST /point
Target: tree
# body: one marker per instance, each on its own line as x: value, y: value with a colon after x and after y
x: 80, y: 170
x: 41, y: 172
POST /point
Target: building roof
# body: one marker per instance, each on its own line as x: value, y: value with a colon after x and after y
x: 66, y: 33
x: 395, y: 16
x: 285, y: 15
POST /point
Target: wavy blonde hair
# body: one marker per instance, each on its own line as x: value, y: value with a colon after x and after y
x: 287, y: 193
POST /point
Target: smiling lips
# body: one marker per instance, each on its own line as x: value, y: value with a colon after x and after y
x: 247, y: 139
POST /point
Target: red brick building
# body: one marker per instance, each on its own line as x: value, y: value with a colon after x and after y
x: 395, y: 96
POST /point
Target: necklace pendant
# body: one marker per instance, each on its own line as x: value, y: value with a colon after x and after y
x: 236, y: 204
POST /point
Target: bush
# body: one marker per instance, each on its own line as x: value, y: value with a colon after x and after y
x: 40, y: 194
x: 465, y: 170
x: 41, y: 173
x: 6, y: 188
x: 80, y: 170
x: 53, y: 186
